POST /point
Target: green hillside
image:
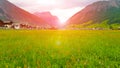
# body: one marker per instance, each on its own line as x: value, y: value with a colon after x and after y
x: 101, y: 14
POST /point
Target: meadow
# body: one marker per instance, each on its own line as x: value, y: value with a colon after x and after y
x: 59, y: 49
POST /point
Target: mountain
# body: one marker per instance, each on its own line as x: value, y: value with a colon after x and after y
x: 52, y: 20
x: 107, y: 12
x: 9, y: 11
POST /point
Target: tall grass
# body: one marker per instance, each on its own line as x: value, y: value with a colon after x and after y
x: 59, y: 49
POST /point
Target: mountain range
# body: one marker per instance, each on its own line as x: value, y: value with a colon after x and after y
x: 47, y: 16
x: 101, y: 13
x: 105, y: 13
x: 9, y: 11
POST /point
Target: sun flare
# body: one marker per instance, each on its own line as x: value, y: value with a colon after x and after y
x: 65, y: 14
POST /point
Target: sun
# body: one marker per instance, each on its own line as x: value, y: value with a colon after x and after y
x: 65, y: 14
x: 63, y: 20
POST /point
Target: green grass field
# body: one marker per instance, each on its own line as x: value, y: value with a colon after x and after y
x: 59, y: 49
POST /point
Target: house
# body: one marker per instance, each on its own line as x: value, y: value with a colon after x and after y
x: 8, y: 24
x: 1, y: 23
x: 16, y: 26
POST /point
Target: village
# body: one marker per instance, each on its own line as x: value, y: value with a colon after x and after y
x: 12, y: 25
x: 17, y: 26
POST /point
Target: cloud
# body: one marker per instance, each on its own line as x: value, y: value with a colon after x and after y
x: 42, y: 5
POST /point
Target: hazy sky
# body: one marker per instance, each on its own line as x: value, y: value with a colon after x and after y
x: 61, y: 8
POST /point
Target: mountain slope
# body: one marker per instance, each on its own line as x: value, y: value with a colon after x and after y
x: 52, y: 20
x: 8, y: 11
x: 98, y: 12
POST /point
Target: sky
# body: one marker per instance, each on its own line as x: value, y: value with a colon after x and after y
x: 63, y: 9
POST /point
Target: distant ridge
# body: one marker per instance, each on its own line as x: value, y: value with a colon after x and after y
x: 52, y: 20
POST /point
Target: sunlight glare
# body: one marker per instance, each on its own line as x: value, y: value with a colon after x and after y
x: 65, y: 14
x: 58, y: 43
